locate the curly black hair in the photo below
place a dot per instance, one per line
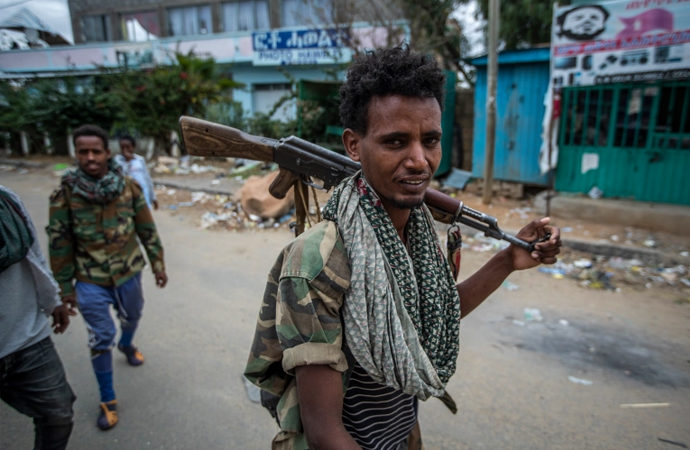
(383, 72)
(91, 130)
(128, 137)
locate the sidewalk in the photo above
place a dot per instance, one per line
(655, 217)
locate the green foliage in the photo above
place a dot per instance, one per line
(262, 125)
(434, 30)
(53, 106)
(523, 23)
(153, 100)
(142, 102)
(147, 102)
(230, 114)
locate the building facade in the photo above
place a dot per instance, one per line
(264, 44)
(130, 20)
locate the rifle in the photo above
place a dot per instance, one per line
(300, 160)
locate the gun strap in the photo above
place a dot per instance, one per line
(316, 205)
(301, 206)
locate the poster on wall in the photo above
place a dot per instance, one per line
(616, 41)
(620, 41)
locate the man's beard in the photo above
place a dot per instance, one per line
(409, 204)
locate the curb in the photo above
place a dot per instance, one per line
(21, 163)
(646, 255)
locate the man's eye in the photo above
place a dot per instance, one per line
(432, 142)
(394, 143)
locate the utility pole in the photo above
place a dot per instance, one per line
(492, 74)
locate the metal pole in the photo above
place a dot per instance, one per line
(492, 73)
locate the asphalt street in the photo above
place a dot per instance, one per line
(544, 362)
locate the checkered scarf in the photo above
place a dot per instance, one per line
(96, 190)
(402, 312)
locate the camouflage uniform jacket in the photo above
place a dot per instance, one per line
(98, 243)
(299, 323)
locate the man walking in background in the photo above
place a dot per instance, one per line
(96, 216)
(134, 166)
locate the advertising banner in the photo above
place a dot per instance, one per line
(620, 41)
(616, 41)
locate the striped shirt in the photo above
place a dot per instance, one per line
(377, 416)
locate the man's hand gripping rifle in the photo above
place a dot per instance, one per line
(302, 160)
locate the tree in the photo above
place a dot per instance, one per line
(64, 104)
(524, 23)
(14, 109)
(434, 30)
(40, 107)
(153, 100)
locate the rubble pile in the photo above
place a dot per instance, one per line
(214, 211)
(602, 272)
(597, 271)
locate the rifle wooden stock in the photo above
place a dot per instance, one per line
(204, 138)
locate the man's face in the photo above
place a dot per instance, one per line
(584, 21)
(127, 149)
(401, 149)
(92, 156)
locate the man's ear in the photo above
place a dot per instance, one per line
(351, 142)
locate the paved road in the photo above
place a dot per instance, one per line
(600, 370)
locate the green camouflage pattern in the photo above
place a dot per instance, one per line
(299, 322)
(97, 243)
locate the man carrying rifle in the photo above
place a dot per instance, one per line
(361, 313)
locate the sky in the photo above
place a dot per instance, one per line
(472, 27)
(54, 13)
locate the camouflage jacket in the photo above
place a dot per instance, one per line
(98, 243)
(299, 322)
